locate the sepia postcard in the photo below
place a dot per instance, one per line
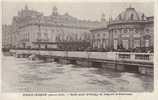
(79, 48)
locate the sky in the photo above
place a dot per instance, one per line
(82, 10)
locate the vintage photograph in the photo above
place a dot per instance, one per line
(77, 47)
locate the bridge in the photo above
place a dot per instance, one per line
(121, 61)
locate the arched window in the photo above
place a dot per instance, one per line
(132, 16)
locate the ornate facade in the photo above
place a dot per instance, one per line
(128, 31)
(100, 38)
(34, 30)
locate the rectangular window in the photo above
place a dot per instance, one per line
(147, 43)
(125, 44)
(115, 44)
(136, 43)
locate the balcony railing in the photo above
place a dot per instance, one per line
(142, 57)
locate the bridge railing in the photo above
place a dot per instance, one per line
(126, 56)
(135, 56)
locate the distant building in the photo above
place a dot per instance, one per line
(6, 37)
(34, 30)
(128, 31)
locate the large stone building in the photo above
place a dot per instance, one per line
(128, 31)
(32, 29)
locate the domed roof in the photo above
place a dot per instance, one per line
(131, 14)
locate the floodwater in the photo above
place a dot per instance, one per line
(23, 75)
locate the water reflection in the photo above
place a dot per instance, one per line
(23, 75)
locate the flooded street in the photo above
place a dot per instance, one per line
(23, 75)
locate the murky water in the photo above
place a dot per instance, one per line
(23, 75)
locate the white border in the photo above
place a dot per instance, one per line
(135, 96)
